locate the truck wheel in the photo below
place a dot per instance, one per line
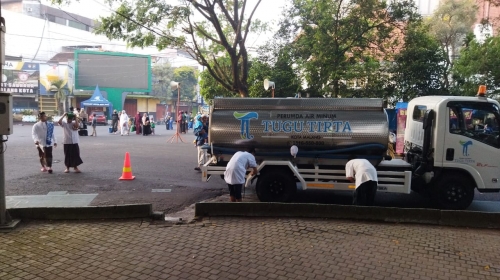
(276, 187)
(454, 191)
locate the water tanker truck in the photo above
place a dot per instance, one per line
(451, 145)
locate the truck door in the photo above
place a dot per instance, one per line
(472, 141)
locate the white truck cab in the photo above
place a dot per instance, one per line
(459, 150)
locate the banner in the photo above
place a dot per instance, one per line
(400, 134)
(50, 73)
(20, 78)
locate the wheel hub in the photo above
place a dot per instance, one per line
(275, 187)
(455, 194)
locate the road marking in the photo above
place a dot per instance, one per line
(161, 190)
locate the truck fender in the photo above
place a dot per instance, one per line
(466, 170)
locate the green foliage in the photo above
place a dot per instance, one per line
(418, 68)
(57, 88)
(274, 64)
(478, 65)
(162, 76)
(27, 112)
(188, 78)
(449, 24)
(210, 88)
(333, 39)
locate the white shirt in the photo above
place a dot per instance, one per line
(236, 167)
(39, 133)
(70, 136)
(362, 170)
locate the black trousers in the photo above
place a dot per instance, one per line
(114, 124)
(235, 190)
(45, 156)
(365, 194)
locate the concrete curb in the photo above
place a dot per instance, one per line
(381, 214)
(83, 213)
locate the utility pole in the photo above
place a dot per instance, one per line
(6, 222)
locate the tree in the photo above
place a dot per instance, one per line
(274, 64)
(163, 74)
(205, 29)
(449, 24)
(417, 70)
(332, 38)
(188, 77)
(57, 88)
(210, 88)
(478, 65)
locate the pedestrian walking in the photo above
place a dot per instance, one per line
(185, 118)
(362, 172)
(171, 122)
(138, 128)
(45, 138)
(94, 125)
(190, 121)
(130, 123)
(180, 122)
(83, 116)
(124, 123)
(70, 140)
(146, 125)
(114, 121)
(201, 133)
(236, 170)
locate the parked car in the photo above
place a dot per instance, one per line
(101, 118)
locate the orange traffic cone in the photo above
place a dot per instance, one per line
(127, 169)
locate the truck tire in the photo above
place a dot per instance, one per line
(276, 186)
(454, 191)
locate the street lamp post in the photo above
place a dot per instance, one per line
(177, 135)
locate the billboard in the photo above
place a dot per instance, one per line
(128, 72)
(20, 78)
(50, 73)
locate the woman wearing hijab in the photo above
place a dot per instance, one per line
(181, 122)
(124, 123)
(138, 123)
(146, 125)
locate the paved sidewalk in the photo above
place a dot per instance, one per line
(251, 248)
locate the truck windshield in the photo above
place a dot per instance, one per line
(478, 121)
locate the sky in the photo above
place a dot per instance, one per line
(268, 11)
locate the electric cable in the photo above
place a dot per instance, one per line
(3, 144)
(74, 18)
(41, 40)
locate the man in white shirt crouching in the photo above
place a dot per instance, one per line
(364, 174)
(236, 170)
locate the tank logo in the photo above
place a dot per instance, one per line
(465, 147)
(245, 123)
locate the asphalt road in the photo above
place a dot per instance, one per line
(157, 165)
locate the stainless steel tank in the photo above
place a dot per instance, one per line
(311, 124)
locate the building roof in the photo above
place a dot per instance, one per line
(62, 57)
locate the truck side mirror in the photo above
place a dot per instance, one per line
(428, 118)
